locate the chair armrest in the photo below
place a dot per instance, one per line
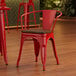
(25, 14)
(59, 14)
(56, 19)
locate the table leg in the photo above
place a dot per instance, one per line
(0, 45)
(3, 35)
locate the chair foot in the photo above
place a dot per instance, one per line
(57, 63)
(17, 66)
(6, 64)
(36, 60)
(1, 52)
(43, 68)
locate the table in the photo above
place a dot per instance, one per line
(3, 48)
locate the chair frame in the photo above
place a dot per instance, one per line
(3, 48)
(26, 6)
(40, 41)
(2, 4)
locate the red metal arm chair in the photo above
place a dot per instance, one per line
(41, 36)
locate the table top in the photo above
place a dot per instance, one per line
(4, 8)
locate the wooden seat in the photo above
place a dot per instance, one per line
(36, 31)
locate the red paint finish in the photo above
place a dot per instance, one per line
(2, 1)
(3, 49)
(40, 39)
(26, 9)
(3, 4)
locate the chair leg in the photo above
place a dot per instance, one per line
(4, 48)
(18, 16)
(7, 20)
(55, 53)
(21, 45)
(43, 52)
(36, 49)
(43, 56)
(4, 53)
(3, 38)
(0, 47)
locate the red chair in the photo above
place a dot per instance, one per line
(26, 9)
(3, 48)
(41, 35)
(2, 4)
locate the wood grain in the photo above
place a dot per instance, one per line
(65, 39)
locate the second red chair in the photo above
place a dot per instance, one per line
(26, 6)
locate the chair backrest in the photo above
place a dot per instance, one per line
(48, 18)
(2, 3)
(30, 1)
